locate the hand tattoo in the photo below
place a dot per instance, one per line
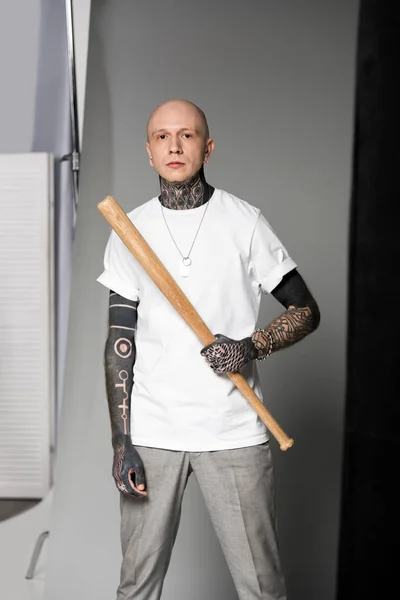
(128, 469)
(226, 355)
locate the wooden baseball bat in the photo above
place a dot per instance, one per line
(141, 250)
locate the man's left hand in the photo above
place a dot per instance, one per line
(226, 355)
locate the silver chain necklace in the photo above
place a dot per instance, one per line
(186, 260)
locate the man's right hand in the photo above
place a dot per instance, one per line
(128, 470)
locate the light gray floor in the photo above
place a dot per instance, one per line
(18, 537)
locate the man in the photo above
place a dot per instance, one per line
(171, 414)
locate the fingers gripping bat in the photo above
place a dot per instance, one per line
(143, 253)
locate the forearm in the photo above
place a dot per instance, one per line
(287, 329)
(119, 383)
(119, 359)
(301, 317)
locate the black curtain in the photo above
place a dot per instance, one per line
(369, 546)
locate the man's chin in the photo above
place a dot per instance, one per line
(176, 177)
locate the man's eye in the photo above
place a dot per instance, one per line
(162, 136)
(187, 135)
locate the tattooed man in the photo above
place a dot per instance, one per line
(173, 410)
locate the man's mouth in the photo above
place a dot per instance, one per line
(175, 164)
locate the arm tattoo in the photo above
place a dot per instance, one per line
(119, 359)
(287, 329)
(300, 319)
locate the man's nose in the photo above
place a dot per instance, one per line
(175, 145)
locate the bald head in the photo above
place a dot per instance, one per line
(178, 141)
(179, 111)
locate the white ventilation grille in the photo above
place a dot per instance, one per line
(26, 324)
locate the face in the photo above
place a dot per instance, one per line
(177, 145)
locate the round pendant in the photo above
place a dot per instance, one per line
(187, 261)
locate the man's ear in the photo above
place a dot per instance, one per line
(149, 153)
(208, 149)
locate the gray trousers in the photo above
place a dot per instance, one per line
(238, 489)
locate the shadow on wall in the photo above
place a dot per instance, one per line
(15, 506)
(85, 507)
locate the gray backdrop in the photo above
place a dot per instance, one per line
(19, 58)
(276, 82)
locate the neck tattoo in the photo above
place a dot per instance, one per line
(181, 195)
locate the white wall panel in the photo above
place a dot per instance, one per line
(26, 324)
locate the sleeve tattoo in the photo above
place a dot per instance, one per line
(119, 359)
(301, 317)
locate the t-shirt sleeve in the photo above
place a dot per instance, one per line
(119, 272)
(269, 259)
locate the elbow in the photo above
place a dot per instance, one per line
(109, 353)
(316, 316)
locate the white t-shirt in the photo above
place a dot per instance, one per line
(177, 401)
